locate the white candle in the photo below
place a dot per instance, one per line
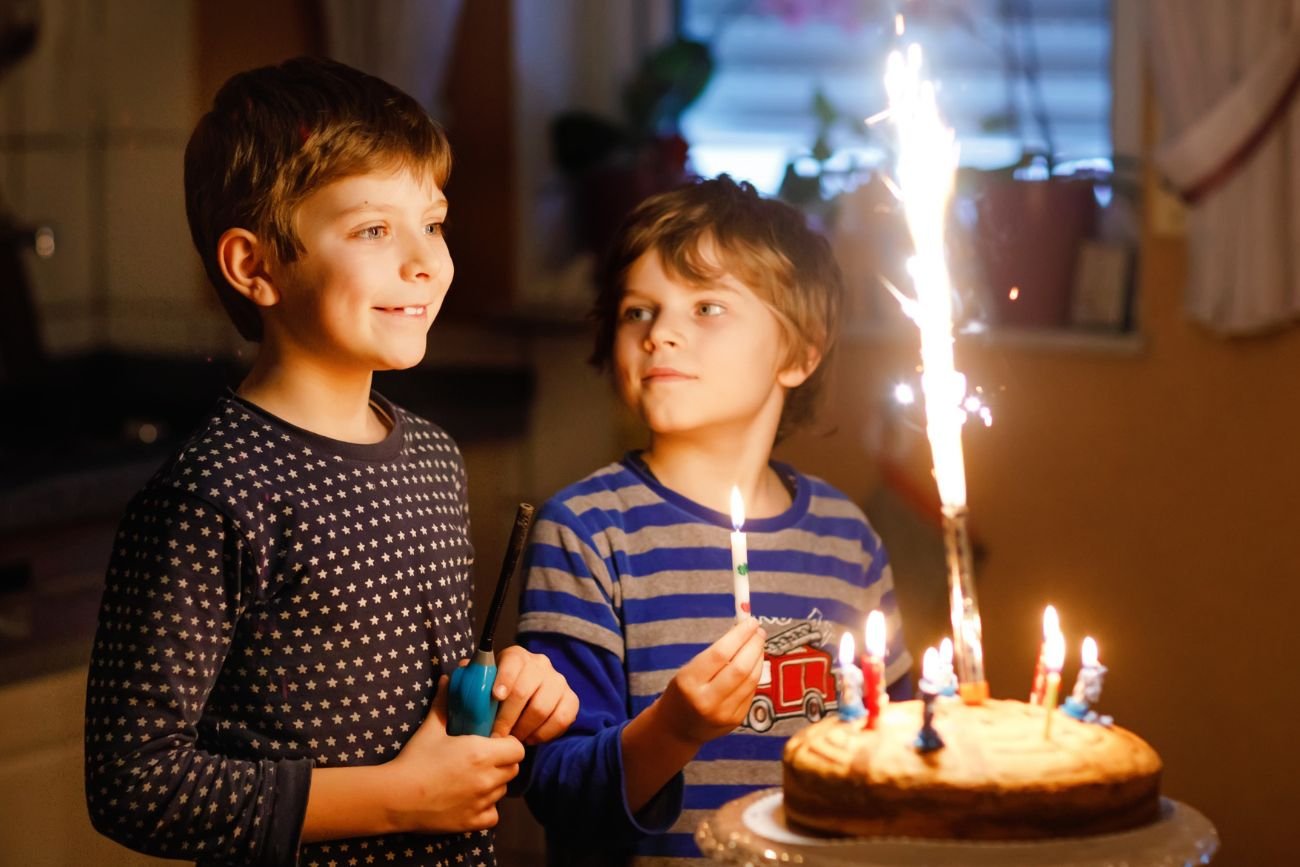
(850, 698)
(928, 740)
(947, 677)
(931, 672)
(931, 680)
(739, 556)
(1087, 688)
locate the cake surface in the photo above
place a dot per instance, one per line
(997, 777)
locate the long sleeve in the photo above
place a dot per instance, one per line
(576, 790)
(569, 613)
(180, 575)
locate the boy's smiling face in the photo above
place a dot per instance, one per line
(373, 275)
(693, 359)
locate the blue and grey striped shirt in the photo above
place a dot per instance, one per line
(627, 581)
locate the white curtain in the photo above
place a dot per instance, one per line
(1227, 76)
(405, 42)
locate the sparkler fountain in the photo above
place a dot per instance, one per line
(927, 162)
(845, 778)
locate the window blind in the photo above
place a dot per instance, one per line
(757, 112)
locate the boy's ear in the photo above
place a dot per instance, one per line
(245, 264)
(798, 371)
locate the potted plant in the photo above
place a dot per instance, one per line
(1033, 220)
(613, 165)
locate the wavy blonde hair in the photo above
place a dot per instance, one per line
(715, 227)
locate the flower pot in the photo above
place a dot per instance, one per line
(1028, 235)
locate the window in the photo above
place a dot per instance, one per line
(1014, 76)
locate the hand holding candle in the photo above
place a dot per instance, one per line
(850, 697)
(1051, 625)
(739, 556)
(1054, 660)
(874, 670)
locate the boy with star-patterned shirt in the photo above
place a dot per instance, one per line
(286, 596)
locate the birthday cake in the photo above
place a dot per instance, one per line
(1001, 775)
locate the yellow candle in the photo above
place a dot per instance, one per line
(739, 556)
(1054, 659)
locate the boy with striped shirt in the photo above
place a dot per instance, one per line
(716, 312)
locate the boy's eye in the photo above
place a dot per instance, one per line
(372, 233)
(708, 308)
(433, 229)
(636, 314)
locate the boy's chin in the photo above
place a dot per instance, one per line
(404, 359)
(400, 363)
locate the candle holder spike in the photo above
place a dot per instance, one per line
(967, 631)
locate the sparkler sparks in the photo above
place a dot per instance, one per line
(926, 166)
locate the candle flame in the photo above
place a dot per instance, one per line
(1014, 294)
(945, 652)
(876, 634)
(1054, 653)
(847, 649)
(737, 508)
(1051, 622)
(1089, 655)
(931, 668)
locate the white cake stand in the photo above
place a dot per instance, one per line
(752, 830)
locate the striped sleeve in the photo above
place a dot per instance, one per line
(570, 589)
(570, 613)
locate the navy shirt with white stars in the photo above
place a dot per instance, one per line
(276, 601)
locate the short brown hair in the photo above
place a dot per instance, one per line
(764, 243)
(276, 134)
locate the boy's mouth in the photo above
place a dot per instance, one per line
(664, 374)
(418, 310)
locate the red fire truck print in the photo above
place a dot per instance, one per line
(798, 678)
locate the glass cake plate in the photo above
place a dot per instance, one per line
(752, 830)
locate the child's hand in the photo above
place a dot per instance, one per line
(710, 695)
(536, 702)
(446, 784)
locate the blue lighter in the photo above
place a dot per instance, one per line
(471, 709)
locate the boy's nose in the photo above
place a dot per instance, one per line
(421, 262)
(662, 332)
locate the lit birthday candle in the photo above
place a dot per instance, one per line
(874, 668)
(928, 740)
(1087, 688)
(850, 697)
(947, 677)
(1051, 625)
(739, 556)
(1055, 660)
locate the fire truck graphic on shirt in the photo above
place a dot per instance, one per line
(798, 678)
